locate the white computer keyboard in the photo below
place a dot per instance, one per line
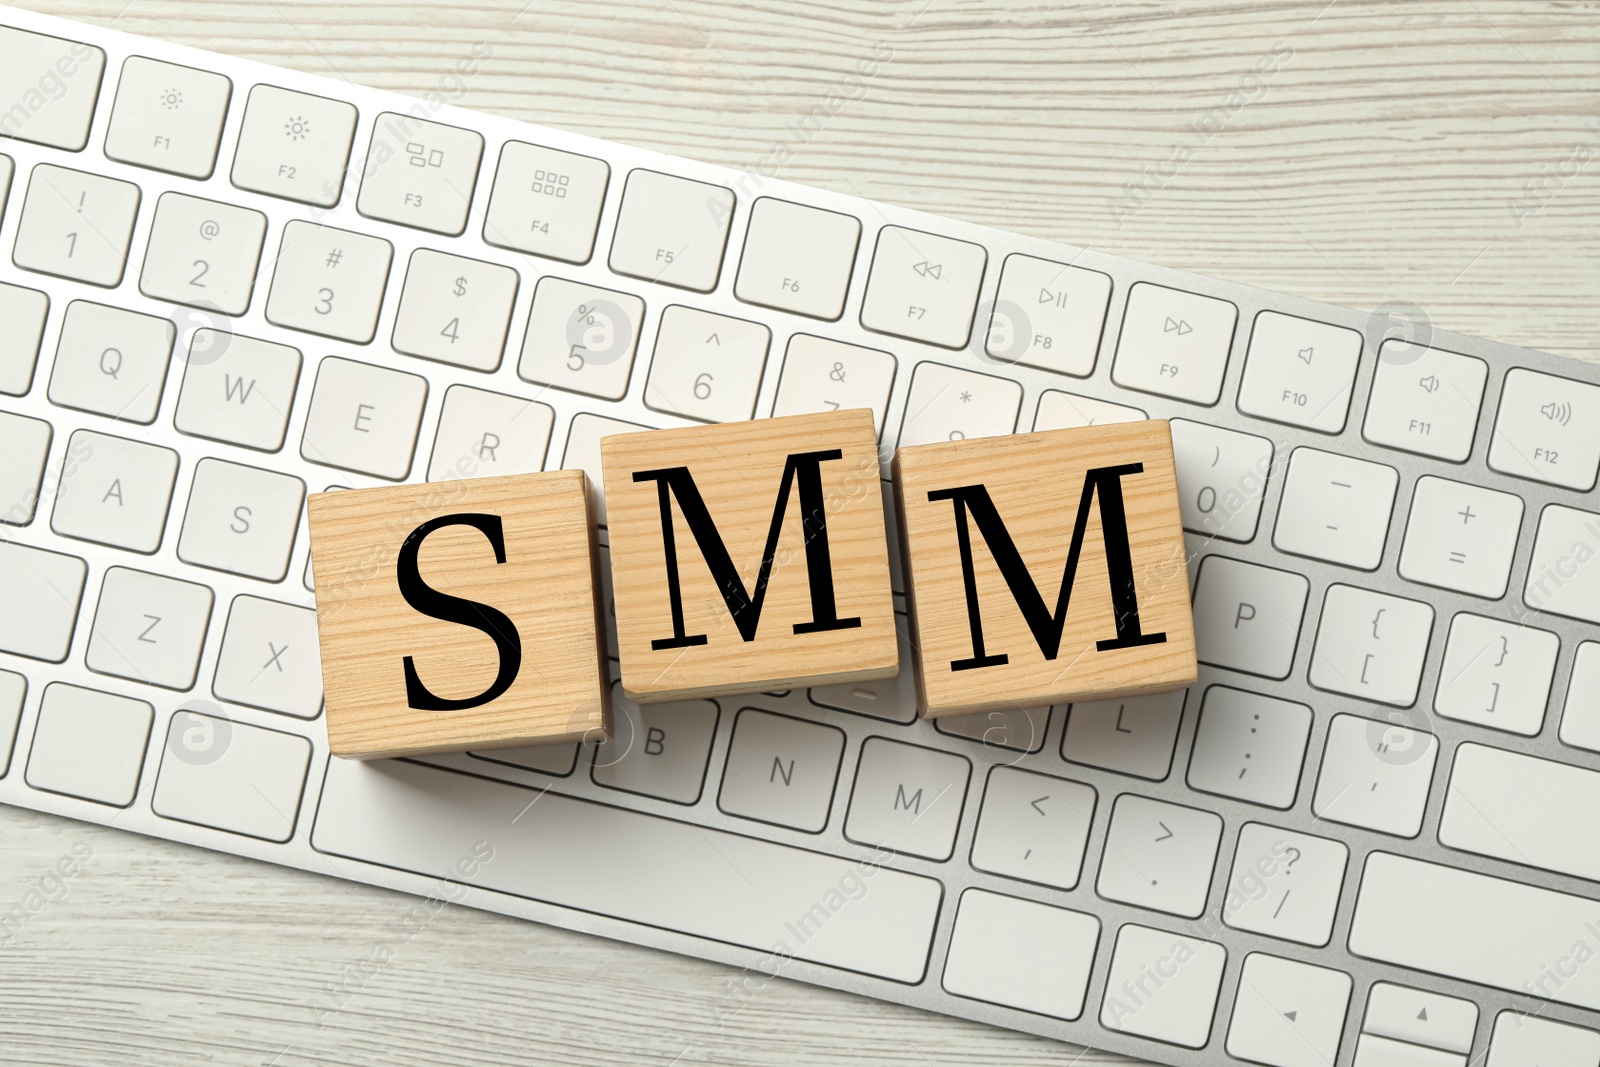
(1364, 836)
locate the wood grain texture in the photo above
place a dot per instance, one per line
(1376, 168)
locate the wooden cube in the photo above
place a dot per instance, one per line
(1045, 567)
(459, 614)
(749, 556)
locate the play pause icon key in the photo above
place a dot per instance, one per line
(1048, 315)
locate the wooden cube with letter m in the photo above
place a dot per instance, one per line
(749, 556)
(459, 615)
(1045, 568)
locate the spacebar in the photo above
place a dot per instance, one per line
(1481, 929)
(627, 865)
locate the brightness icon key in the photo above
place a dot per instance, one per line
(1547, 429)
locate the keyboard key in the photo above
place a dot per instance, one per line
(420, 173)
(1129, 735)
(1526, 1040)
(111, 362)
(706, 366)
(168, 117)
(1425, 400)
(557, 760)
(364, 418)
(1249, 746)
(25, 444)
(1287, 1013)
(241, 519)
(294, 145)
(781, 770)
(1021, 954)
(1496, 674)
(114, 491)
(581, 338)
(89, 744)
(1300, 372)
(886, 699)
(1033, 827)
(1375, 774)
(482, 434)
(1580, 714)
(797, 258)
(1510, 806)
(1222, 477)
(1371, 645)
(203, 253)
(13, 688)
(1336, 508)
(41, 591)
(149, 628)
(1021, 729)
(583, 453)
(659, 750)
(823, 375)
(238, 777)
(241, 390)
(1177, 1011)
(329, 281)
(1546, 430)
(1460, 537)
(546, 202)
(1421, 1017)
(1559, 579)
(76, 225)
(923, 287)
(907, 798)
(704, 882)
(23, 311)
(455, 310)
(270, 659)
(947, 404)
(1174, 343)
(1055, 317)
(58, 79)
(1247, 617)
(1374, 1051)
(1159, 855)
(1285, 884)
(672, 230)
(1063, 411)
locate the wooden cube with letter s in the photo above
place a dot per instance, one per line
(459, 615)
(1045, 567)
(749, 556)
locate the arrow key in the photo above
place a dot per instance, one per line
(1033, 827)
(1288, 1014)
(1420, 1017)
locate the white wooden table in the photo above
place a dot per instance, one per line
(1438, 159)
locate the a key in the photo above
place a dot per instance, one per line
(364, 418)
(886, 699)
(111, 362)
(482, 434)
(1547, 429)
(1559, 581)
(557, 760)
(1177, 1011)
(781, 770)
(947, 404)
(1496, 674)
(1460, 537)
(1033, 827)
(420, 173)
(706, 366)
(672, 230)
(203, 253)
(329, 281)
(1580, 712)
(1021, 729)
(1222, 478)
(1063, 411)
(149, 628)
(1174, 343)
(13, 688)
(1129, 735)
(25, 444)
(1247, 617)
(583, 452)
(823, 375)
(1300, 372)
(241, 519)
(114, 491)
(907, 798)
(1249, 746)
(269, 658)
(1048, 315)
(89, 744)
(23, 311)
(41, 591)
(1508, 805)
(1375, 774)
(294, 145)
(231, 776)
(237, 389)
(658, 750)
(581, 338)
(1285, 884)
(1375, 1051)
(455, 310)
(797, 258)
(1159, 855)
(1020, 953)
(1425, 400)
(1288, 1013)
(30, 64)
(1335, 508)
(546, 202)
(1526, 1040)
(1421, 1017)
(168, 117)
(76, 225)
(923, 287)
(1371, 645)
